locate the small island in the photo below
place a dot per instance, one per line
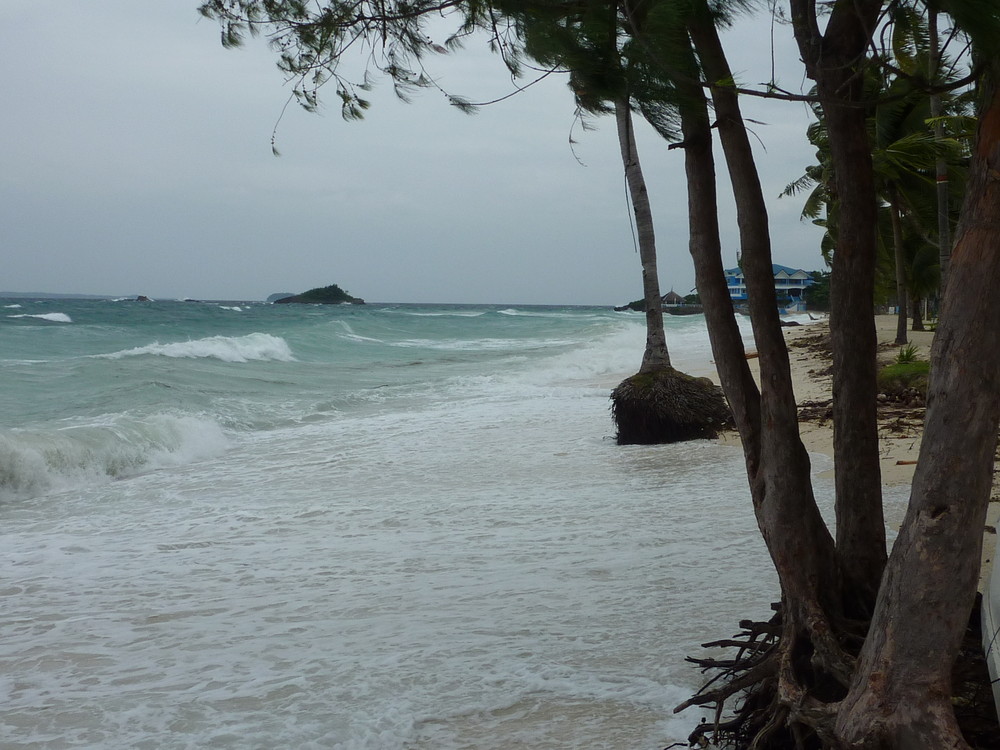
(327, 295)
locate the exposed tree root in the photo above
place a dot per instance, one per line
(773, 695)
(667, 406)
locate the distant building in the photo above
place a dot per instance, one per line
(672, 298)
(789, 283)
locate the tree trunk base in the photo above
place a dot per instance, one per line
(763, 718)
(667, 406)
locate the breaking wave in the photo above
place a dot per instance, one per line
(52, 317)
(252, 347)
(33, 462)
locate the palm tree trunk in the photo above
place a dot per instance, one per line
(918, 320)
(656, 356)
(831, 58)
(897, 247)
(940, 165)
(901, 694)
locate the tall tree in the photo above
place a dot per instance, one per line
(584, 40)
(607, 73)
(900, 696)
(834, 58)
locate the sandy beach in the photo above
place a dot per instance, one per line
(900, 426)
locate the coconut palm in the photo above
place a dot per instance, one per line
(905, 154)
(610, 73)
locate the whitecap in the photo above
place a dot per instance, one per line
(450, 314)
(53, 317)
(11, 307)
(252, 347)
(234, 308)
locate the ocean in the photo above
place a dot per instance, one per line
(379, 527)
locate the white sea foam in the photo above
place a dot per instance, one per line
(349, 334)
(37, 461)
(442, 314)
(461, 558)
(11, 307)
(483, 344)
(234, 308)
(252, 347)
(53, 317)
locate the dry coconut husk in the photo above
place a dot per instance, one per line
(667, 406)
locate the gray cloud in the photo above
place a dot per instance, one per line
(136, 159)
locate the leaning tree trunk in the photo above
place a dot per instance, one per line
(799, 542)
(705, 246)
(897, 251)
(656, 356)
(900, 697)
(833, 60)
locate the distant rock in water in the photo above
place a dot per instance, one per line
(638, 305)
(143, 298)
(327, 295)
(279, 295)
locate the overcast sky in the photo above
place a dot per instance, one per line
(135, 158)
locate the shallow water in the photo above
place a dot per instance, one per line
(232, 525)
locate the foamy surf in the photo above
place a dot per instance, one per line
(420, 535)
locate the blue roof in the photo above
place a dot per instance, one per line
(776, 268)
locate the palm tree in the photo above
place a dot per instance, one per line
(608, 73)
(905, 154)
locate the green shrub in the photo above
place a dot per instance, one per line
(897, 378)
(907, 354)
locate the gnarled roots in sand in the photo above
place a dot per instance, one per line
(774, 694)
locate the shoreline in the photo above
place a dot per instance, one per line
(900, 426)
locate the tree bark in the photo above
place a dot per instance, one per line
(705, 246)
(917, 317)
(797, 537)
(656, 355)
(900, 696)
(834, 61)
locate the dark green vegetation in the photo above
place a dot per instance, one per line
(327, 295)
(899, 378)
(865, 644)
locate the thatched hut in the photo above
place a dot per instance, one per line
(667, 406)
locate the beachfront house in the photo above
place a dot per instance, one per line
(672, 298)
(789, 283)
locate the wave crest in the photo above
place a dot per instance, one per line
(51, 317)
(252, 347)
(33, 462)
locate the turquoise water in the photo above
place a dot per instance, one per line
(391, 526)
